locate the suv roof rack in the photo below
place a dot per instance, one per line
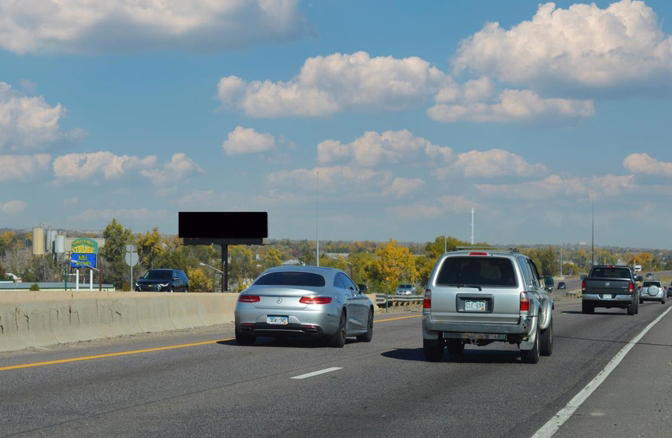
(490, 248)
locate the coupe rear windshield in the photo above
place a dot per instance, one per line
(610, 272)
(158, 275)
(473, 270)
(290, 278)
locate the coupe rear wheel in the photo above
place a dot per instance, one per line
(546, 340)
(245, 338)
(369, 329)
(433, 349)
(532, 356)
(455, 346)
(338, 340)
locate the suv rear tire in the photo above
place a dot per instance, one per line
(546, 340)
(433, 349)
(532, 356)
(245, 339)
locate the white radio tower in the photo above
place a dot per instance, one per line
(472, 226)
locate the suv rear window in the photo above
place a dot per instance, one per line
(610, 272)
(291, 278)
(651, 283)
(483, 271)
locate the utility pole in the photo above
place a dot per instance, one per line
(592, 245)
(472, 226)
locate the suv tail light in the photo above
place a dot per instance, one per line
(631, 287)
(524, 302)
(315, 300)
(478, 253)
(427, 301)
(583, 285)
(249, 299)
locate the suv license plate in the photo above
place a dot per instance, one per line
(474, 305)
(277, 320)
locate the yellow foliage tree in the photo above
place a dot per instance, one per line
(199, 280)
(394, 264)
(150, 247)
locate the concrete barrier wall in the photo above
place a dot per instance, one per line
(37, 319)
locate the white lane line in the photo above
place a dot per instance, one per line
(317, 373)
(552, 426)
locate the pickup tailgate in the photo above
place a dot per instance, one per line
(614, 286)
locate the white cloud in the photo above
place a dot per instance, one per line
(490, 164)
(402, 187)
(23, 167)
(443, 205)
(139, 215)
(583, 45)
(647, 165)
(79, 167)
(85, 26)
(512, 106)
(13, 207)
(331, 179)
(29, 123)
(70, 201)
(178, 168)
(329, 84)
(247, 141)
(391, 147)
(555, 187)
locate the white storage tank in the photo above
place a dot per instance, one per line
(60, 243)
(50, 240)
(38, 241)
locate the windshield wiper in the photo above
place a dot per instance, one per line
(475, 286)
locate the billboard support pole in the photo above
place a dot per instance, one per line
(225, 268)
(90, 279)
(77, 279)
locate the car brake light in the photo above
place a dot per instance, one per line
(249, 299)
(524, 302)
(315, 300)
(583, 285)
(631, 287)
(427, 301)
(478, 253)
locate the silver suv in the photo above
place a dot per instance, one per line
(479, 296)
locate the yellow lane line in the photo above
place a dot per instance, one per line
(146, 350)
(398, 318)
(106, 355)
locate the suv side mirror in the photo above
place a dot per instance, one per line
(362, 288)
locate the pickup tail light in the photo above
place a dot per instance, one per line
(315, 300)
(583, 285)
(249, 299)
(524, 302)
(427, 301)
(631, 287)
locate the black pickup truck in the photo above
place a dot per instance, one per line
(609, 286)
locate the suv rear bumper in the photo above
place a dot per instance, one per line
(432, 329)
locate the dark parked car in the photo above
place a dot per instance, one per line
(163, 280)
(562, 285)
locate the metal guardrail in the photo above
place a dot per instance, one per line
(398, 300)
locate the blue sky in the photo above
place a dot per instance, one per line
(382, 119)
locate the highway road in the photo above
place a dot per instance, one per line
(204, 385)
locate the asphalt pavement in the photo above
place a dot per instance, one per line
(202, 384)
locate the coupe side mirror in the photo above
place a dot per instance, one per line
(362, 288)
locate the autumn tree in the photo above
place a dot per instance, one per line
(394, 264)
(150, 247)
(273, 257)
(199, 281)
(114, 251)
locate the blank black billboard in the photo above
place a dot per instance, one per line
(222, 225)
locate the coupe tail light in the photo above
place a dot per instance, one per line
(583, 285)
(631, 287)
(524, 302)
(315, 300)
(249, 299)
(427, 301)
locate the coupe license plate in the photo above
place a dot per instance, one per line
(277, 320)
(474, 305)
